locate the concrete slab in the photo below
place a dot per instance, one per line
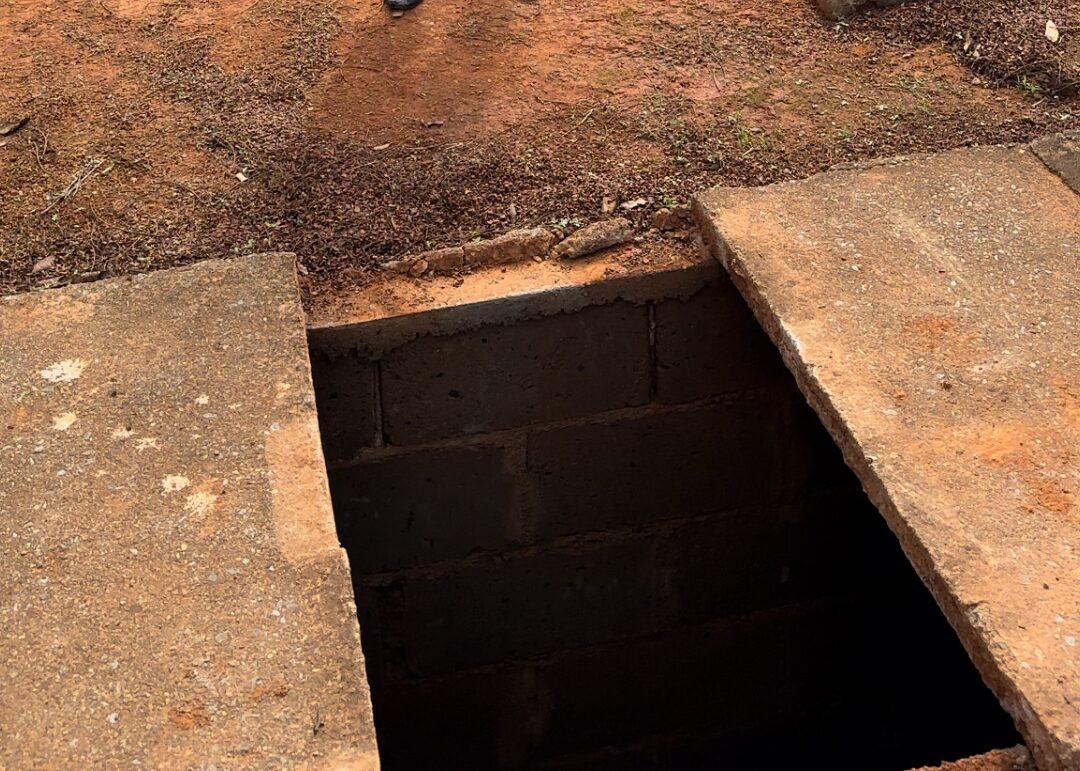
(930, 311)
(172, 592)
(1061, 153)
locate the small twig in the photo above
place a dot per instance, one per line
(39, 153)
(84, 174)
(715, 83)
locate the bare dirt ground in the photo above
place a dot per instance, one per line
(162, 132)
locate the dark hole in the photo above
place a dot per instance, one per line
(604, 608)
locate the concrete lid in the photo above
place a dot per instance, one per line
(930, 311)
(173, 592)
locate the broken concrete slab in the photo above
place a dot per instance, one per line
(929, 310)
(1061, 153)
(595, 238)
(515, 246)
(173, 589)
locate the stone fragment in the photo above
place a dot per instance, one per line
(444, 260)
(399, 266)
(1052, 33)
(592, 238)
(515, 246)
(675, 218)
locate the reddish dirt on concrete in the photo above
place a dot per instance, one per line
(928, 311)
(359, 138)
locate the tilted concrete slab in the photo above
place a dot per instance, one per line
(930, 311)
(172, 592)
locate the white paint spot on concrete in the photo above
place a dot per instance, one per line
(173, 483)
(64, 371)
(64, 421)
(200, 504)
(146, 443)
(203, 400)
(122, 433)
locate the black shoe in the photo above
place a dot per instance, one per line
(402, 5)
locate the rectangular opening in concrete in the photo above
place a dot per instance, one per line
(601, 529)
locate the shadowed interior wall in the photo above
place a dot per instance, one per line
(617, 538)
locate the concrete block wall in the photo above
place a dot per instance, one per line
(610, 536)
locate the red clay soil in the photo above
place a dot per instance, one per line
(162, 132)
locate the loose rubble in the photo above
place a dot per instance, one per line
(592, 238)
(515, 246)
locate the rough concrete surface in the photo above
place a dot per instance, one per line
(515, 246)
(594, 238)
(172, 592)
(1012, 759)
(1061, 153)
(930, 311)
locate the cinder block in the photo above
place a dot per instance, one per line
(764, 558)
(712, 344)
(715, 677)
(345, 397)
(425, 506)
(665, 465)
(480, 721)
(725, 566)
(527, 607)
(500, 377)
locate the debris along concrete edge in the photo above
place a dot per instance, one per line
(1046, 729)
(537, 244)
(388, 314)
